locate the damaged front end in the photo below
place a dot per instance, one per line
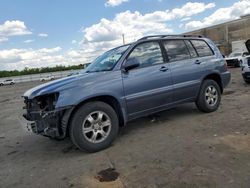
(43, 118)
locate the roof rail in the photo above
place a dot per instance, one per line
(164, 36)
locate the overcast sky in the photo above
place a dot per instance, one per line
(61, 32)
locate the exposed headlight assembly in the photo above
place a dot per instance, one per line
(47, 102)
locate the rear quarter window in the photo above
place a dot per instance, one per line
(202, 48)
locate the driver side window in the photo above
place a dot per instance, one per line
(147, 54)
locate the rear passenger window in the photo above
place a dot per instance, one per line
(176, 50)
(202, 48)
(191, 49)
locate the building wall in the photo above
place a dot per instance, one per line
(224, 34)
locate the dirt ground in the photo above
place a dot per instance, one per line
(179, 148)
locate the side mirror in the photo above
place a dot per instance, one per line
(131, 63)
(223, 56)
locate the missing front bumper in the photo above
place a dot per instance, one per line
(51, 124)
(29, 126)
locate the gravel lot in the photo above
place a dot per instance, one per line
(178, 148)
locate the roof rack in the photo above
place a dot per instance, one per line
(164, 36)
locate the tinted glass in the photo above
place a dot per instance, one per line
(202, 48)
(147, 54)
(176, 50)
(191, 49)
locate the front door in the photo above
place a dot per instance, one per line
(149, 86)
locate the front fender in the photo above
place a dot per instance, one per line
(75, 100)
(109, 84)
(76, 96)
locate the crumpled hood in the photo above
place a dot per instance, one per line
(56, 85)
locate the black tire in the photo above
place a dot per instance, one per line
(201, 101)
(1, 84)
(76, 127)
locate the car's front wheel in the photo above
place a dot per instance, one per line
(94, 126)
(209, 96)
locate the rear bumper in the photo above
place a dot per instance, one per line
(225, 78)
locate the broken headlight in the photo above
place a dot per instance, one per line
(47, 102)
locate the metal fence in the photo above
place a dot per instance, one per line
(37, 77)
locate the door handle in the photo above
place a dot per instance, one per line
(198, 62)
(163, 69)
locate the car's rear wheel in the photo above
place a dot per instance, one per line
(94, 126)
(209, 96)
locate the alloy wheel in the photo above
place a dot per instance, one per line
(96, 127)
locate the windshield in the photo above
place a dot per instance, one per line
(107, 61)
(235, 54)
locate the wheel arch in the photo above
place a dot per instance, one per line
(110, 100)
(217, 78)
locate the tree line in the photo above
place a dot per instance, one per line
(28, 71)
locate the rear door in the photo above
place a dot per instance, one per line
(186, 68)
(207, 59)
(148, 87)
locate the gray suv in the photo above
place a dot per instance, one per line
(152, 74)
